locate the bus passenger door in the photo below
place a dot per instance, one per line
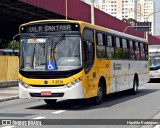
(88, 67)
(88, 59)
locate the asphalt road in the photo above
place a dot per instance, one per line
(118, 107)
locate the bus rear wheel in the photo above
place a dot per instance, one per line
(50, 101)
(134, 90)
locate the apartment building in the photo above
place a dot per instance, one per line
(140, 10)
(118, 8)
(146, 12)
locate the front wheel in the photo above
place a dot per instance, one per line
(100, 95)
(50, 101)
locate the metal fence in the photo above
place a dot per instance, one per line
(9, 66)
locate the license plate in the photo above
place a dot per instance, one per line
(46, 93)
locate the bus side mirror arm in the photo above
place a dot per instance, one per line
(14, 42)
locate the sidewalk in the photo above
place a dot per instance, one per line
(8, 93)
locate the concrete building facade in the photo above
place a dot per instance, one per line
(146, 12)
(140, 10)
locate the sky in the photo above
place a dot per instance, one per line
(157, 15)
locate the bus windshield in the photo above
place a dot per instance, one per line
(58, 52)
(154, 59)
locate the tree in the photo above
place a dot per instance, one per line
(130, 21)
(7, 44)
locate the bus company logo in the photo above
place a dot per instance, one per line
(117, 66)
(45, 82)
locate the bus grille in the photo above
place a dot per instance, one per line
(52, 95)
(47, 86)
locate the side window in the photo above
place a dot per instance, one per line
(118, 42)
(118, 48)
(88, 48)
(125, 49)
(137, 51)
(146, 51)
(142, 51)
(88, 35)
(101, 53)
(110, 47)
(131, 50)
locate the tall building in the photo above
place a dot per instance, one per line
(140, 10)
(119, 8)
(146, 12)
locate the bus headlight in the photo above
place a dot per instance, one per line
(71, 84)
(23, 84)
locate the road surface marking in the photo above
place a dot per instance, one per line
(57, 112)
(141, 87)
(8, 127)
(40, 117)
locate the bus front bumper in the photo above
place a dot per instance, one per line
(63, 92)
(154, 74)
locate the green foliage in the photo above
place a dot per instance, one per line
(118, 53)
(129, 21)
(101, 54)
(8, 44)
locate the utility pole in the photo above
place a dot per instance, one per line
(92, 12)
(66, 9)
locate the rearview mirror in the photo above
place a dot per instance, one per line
(15, 39)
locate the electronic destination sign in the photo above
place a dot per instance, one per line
(49, 27)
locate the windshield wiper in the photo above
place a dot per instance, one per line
(34, 51)
(58, 41)
(32, 65)
(55, 44)
(53, 47)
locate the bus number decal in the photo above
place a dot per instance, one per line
(57, 81)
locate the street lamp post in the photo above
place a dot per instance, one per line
(151, 14)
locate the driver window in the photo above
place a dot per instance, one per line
(88, 46)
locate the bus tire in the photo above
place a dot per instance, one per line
(100, 94)
(50, 101)
(134, 90)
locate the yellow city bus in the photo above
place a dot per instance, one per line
(69, 59)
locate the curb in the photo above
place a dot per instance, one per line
(4, 84)
(9, 98)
